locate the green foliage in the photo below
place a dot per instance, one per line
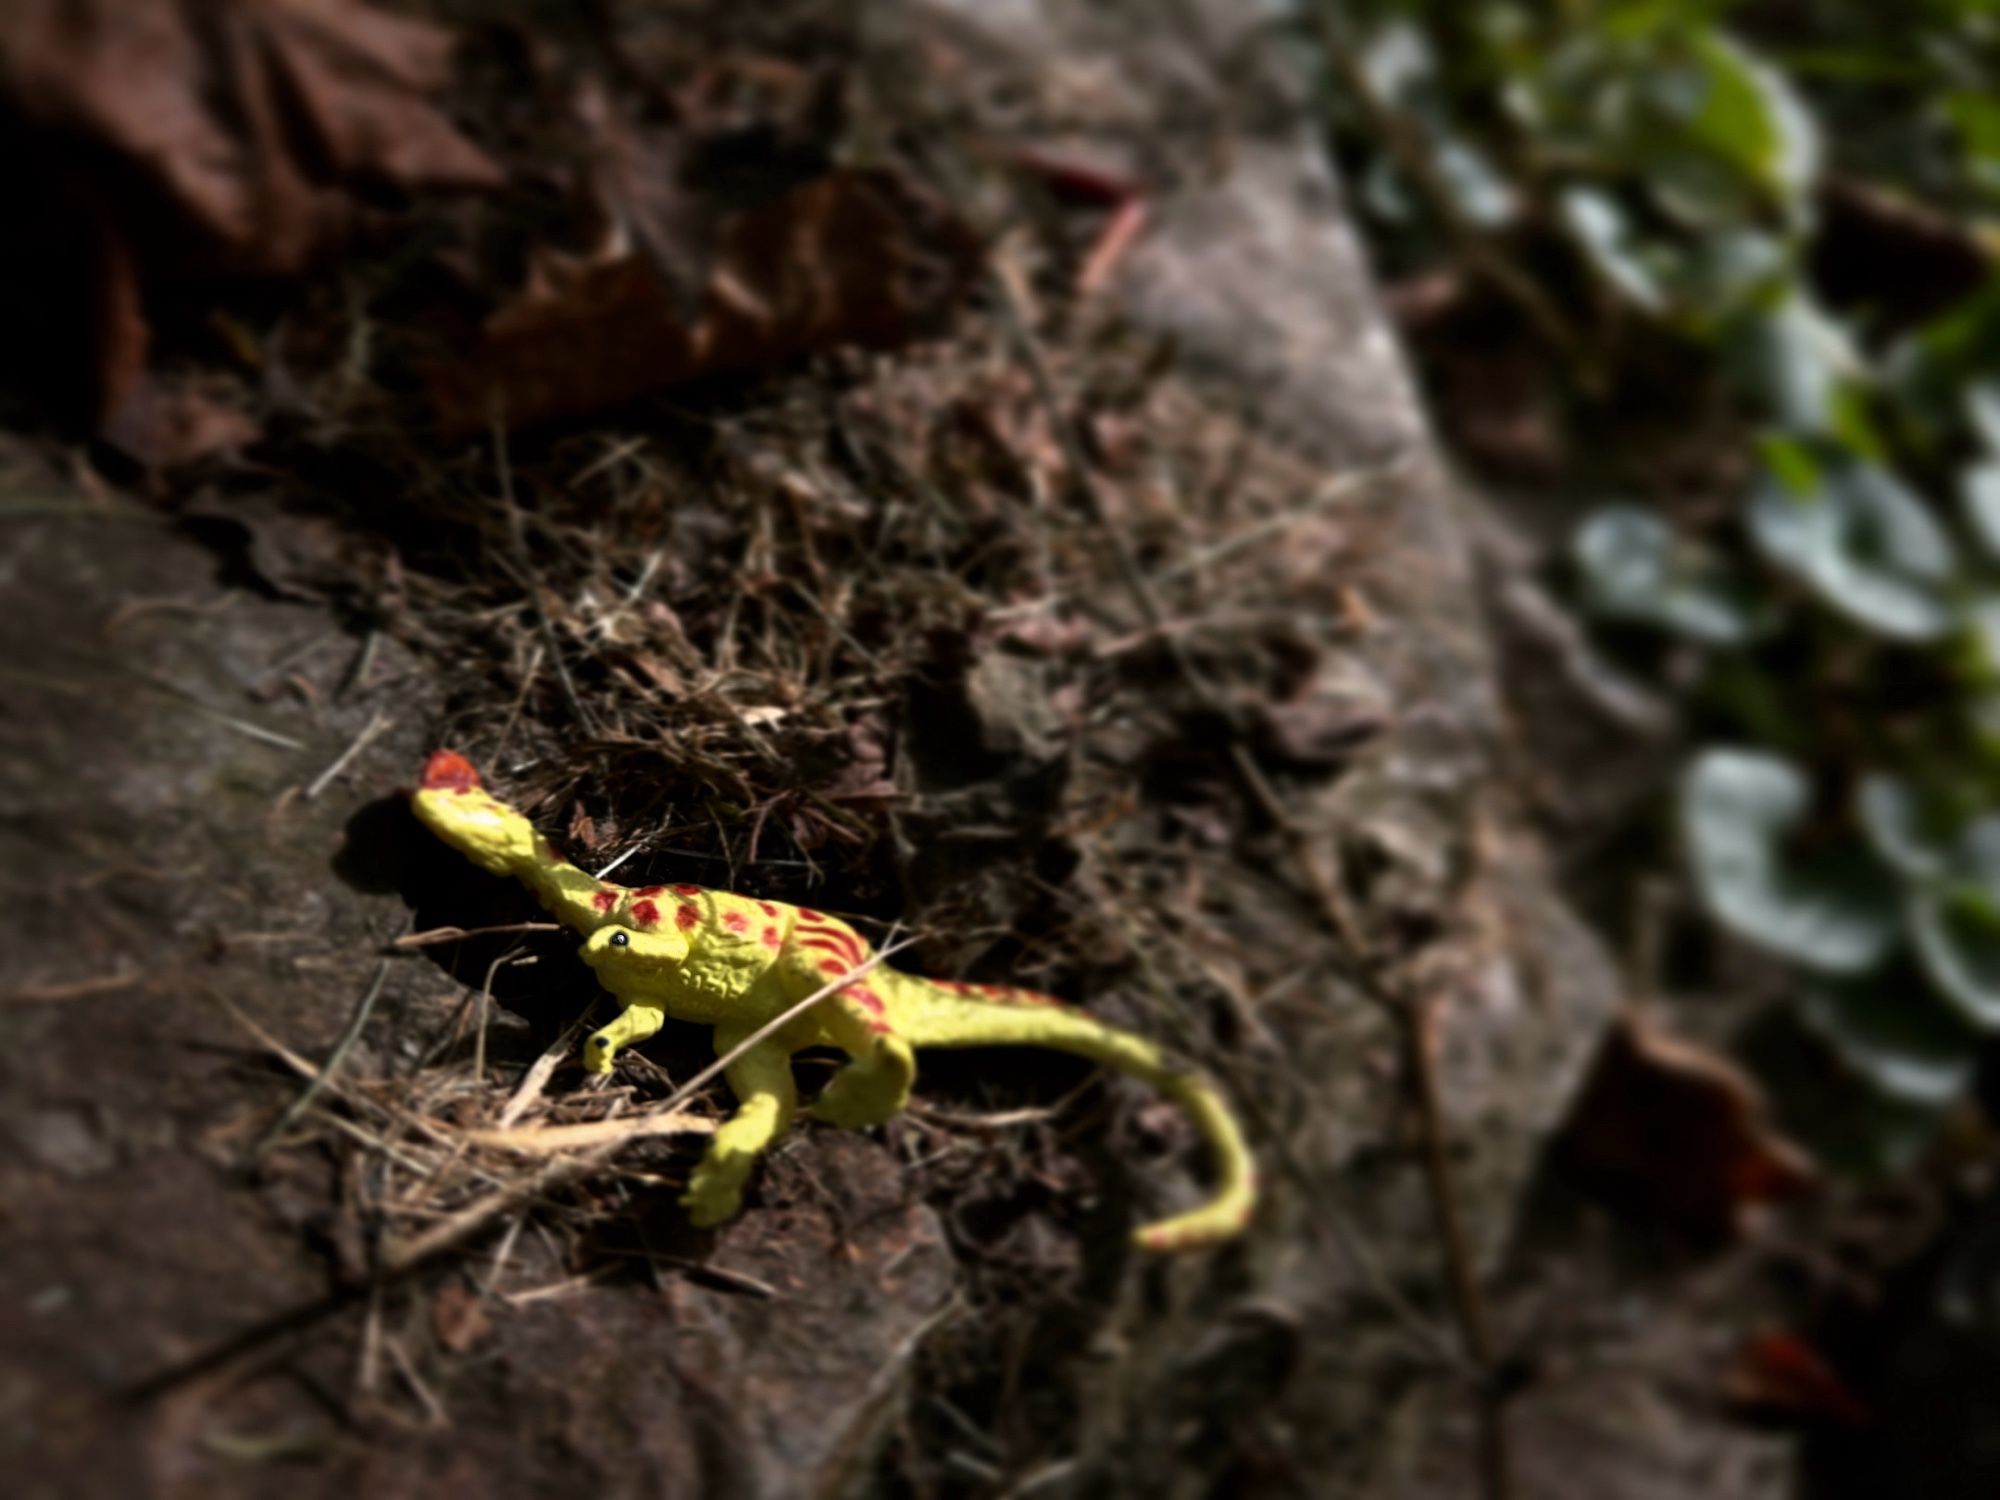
(1861, 541)
(1635, 568)
(1835, 912)
(1657, 165)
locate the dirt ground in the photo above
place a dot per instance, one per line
(967, 717)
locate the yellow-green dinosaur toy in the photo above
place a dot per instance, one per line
(736, 964)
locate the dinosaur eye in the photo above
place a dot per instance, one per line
(620, 940)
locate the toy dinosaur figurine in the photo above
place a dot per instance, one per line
(735, 963)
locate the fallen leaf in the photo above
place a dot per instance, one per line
(856, 257)
(458, 1320)
(288, 554)
(866, 776)
(1047, 634)
(164, 139)
(160, 426)
(1673, 1133)
(1317, 732)
(1778, 1378)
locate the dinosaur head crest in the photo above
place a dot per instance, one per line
(448, 771)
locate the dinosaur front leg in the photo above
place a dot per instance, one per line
(633, 1024)
(765, 1101)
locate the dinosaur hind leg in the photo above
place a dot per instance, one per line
(873, 1088)
(875, 1084)
(765, 1101)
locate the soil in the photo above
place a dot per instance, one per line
(207, 857)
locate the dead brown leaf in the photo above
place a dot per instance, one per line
(856, 257)
(1779, 1379)
(1317, 731)
(203, 138)
(1673, 1133)
(458, 1319)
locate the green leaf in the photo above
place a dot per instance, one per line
(1982, 714)
(1958, 943)
(1734, 266)
(1835, 915)
(1911, 830)
(1893, 1031)
(1982, 409)
(1865, 545)
(1800, 363)
(1977, 117)
(1750, 115)
(1399, 64)
(1979, 651)
(1478, 191)
(1635, 568)
(1955, 925)
(1932, 370)
(1601, 228)
(1979, 498)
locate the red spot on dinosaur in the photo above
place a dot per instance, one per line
(645, 914)
(448, 771)
(649, 890)
(770, 939)
(687, 917)
(767, 908)
(735, 921)
(604, 901)
(687, 890)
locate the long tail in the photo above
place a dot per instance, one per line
(934, 1014)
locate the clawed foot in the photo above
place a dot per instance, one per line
(715, 1192)
(599, 1054)
(853, 1108)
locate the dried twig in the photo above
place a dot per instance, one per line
(71, 989)
(432, 935)
(319, 1080)
(374, 728)
(548, 1140)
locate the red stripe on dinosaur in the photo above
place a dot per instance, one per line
(848, 949)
